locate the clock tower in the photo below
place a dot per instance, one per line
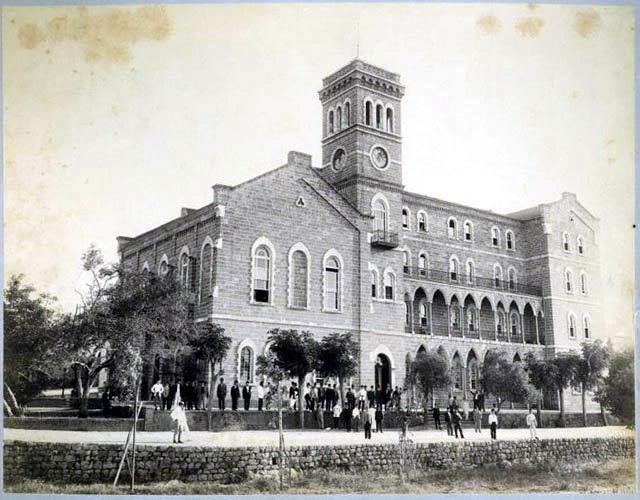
(361, 131)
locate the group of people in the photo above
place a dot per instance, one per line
(263, 393)
(193, 395)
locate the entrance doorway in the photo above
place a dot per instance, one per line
(382, 372)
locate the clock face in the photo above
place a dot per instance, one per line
(339, 159)
(379, 157)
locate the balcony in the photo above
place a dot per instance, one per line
(384, 239)
(438, 276)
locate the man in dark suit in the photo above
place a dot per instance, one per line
(436, 417)
(222, 394)
(457, 418)
(371, 397)
(235, 395)
(322, 394)
(336, 395)
(328, 394)
(246, 395)
(351, 399)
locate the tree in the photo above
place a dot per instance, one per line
(125, 320)
(28, 332)
(506, 379)
(428, 372)
(589, 370)
(294, 354)
(211, 345)
(616, 391)
(554, 374)
(337, 357)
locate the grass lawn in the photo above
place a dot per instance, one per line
(610, 477)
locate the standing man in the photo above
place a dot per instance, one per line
(166, 402)
(481, 401)
(307, 396)
(477, 419)
(457, 418)
(379, 416)
(532, 423)
(260, 393)
(447, 422)
(362, 397)
(235, 395)
(337, 410)
(493, 423)
(372, 419)
(203, 396)
(246, 395)
(371, 397)
(436, 418)
(355, 417)
(346, 415)
(351, 399)
(366, 420)
(221, 393)
(322, 393)
(450, 402)
(336, 394)
(320, 416)
(156, 392)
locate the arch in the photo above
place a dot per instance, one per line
(380, 212)
(368, 112)
(473, 372)
(571, 325)
(529, 324)
(457, 372)
(347, 112)
(584, 284)
(501, 321)
(338, 118)
(487, 319)
(586, 326)
(441, 351)
(471, 318)
(383, 349)
(452, 228)
(379, 115)
(263, 256)
(406, 218)
(512, 278)
(423, 263)
(332, 272)
(568, 280)
(566, 242)
(455, 316)
(163, 265)
(495, 236)
(185, 265)
(439, 314)
(470, 271)
(497, 276)
(245, 347)
(510, 240)
(389, 118)
(299, 260)
(206, 275)
(422, 349)
(145, 267)
(422, 220)
(468, 230)
(517, 358)
(330, 122)
(375, 280)
(580, 244)
(454, 268)
(421, 310)
(390, 282)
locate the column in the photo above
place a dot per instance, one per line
(478, 319)
(537, 331)
(522, 327)
(449, 321)
(463, 320)
(430, 318)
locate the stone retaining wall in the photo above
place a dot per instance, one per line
(71, 423)
(84, 463)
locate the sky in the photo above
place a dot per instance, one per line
(116, 117)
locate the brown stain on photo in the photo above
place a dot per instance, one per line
(530, 26)
(105, 36)
(587, 23)
(489, 24)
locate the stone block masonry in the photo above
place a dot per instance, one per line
(92, 463)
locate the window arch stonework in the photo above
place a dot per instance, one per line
(263, 256)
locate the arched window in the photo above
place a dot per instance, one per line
(379, 216)
(423, 314)
(338, 118)
(568, 280)
(374, 284)
(331, 120)
(584, 289)
(495, 237)
(571, 323)
(510, 240)
(452, 228)
(262, 275)
(566, 246)
(246, 364)
(299, 276)
(580, 243)
(586, 327)
(368, 113)
(405, 218)
(454, 267)
(206, 270)
(407, 312)
(163, 268)
(423, 264)
(472, 318)
(512, 277)
(406, 262)
(389, 286)
(497, 276)
(332, 284)
(347, 114)
(455, 316)
(389, 120)
(500, 322)
(379, 118)
(468, 231)
(515, 323)
(472, 368)
(471, 271)
(422, 222)
(184, 270)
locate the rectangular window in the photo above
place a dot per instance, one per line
(261, 288)
(373, 290)
(494, 242)
(388, 292)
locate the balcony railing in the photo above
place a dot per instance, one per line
(386, 239)
(439, 276)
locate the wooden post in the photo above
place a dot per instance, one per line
(280, 438)
(135, 424)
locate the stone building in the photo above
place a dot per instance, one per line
(344, 247)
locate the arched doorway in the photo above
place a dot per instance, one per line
(382, 372)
